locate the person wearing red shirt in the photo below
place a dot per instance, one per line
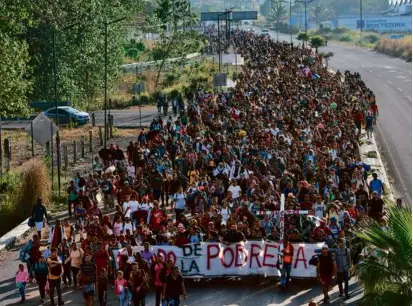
(101, 258)
(358, 119)
(157, 217)
(306, 204)
(321, 232)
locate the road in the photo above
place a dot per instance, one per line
(391, 80)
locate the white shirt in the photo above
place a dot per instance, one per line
(275, 131)
(145, 206)
(129, 226)
(125, 206)
(235, 191)
(319, 209)
(225, 213)
(131, 171)
(134, 205)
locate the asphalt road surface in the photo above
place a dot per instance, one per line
(391, 80)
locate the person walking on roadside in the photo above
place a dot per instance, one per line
(158, 271)
(39, 271)
(22, 277)
(39, 214)
(173, 288)
(326, 269)
(369, 121)
(343, 262)
(55, 270)
(285, 253)
(75, 259)
(87, 279)
(71, 197)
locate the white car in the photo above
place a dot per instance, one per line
(265, 32)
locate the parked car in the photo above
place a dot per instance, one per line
(265, 32)
(67, 114)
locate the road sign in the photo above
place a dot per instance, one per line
(139, 88)
(43, 129)
(238, 15)
(220, 79)
(396, 36)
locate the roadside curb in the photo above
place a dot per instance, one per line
(15, 234)
(366, 150)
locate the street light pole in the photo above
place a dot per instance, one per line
(361, 19)
(219, 35)
(106, 130)
(291, 27)
(56, 99)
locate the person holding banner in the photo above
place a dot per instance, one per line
(173, 288)
(326, 269)
(285, 257)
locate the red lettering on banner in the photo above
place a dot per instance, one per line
(303, 259)
(239, 248)
(270, 256)
(210, 255)
(255, 255)
(223, 257)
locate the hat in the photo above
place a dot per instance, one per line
(180, 225)
(325, 246)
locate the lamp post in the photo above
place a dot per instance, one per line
(219, 37)
(361, 19)
(56, 98)
(290, 27)
(106, 77)
(305, 12)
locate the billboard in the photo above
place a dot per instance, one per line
(378, 23)
(239, 15)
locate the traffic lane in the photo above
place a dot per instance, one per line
(394, 124)
(130, 118)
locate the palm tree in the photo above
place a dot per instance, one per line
(386, 271)
(326, 56)
(303, 36)
(316, 42)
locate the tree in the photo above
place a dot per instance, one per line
(304, 37)
(316, 42)
(278, 11)
(386, 271)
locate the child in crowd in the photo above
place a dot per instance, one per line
(22, 277)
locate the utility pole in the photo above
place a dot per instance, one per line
(106, 79)
(56, 99)
(361, 19)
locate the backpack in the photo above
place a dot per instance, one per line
(314, 260)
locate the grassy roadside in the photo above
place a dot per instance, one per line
(380, 42)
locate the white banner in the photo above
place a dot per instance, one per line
(244, 258)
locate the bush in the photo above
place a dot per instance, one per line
(371, 38)
(396, 47)
(17, 202)
(346, 38)
(341, 30)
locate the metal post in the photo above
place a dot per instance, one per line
(58, 160)
(90, 141)
(219, 47)
(291, 27)
(93, 120)
(106, 82)
(1, 152)
(7, 153)
(65, 156)
(111, 126)
(51, 152)
(361, 19)
(305, 16)
(82, 148)
(100, 136)
(31, 134)
(74, 152)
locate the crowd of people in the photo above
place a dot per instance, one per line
(217, 172)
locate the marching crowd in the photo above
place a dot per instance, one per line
(217, 173)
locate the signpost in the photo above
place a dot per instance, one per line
(396, 36)
(139, 88)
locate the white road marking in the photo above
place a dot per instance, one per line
(399, 89)
(389, 82)
(379, 76)
(400, 77)
(370, 71)
(392, 71)
(409, 98)
(407, 80)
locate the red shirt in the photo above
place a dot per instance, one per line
(156, 218)
(101, 259)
